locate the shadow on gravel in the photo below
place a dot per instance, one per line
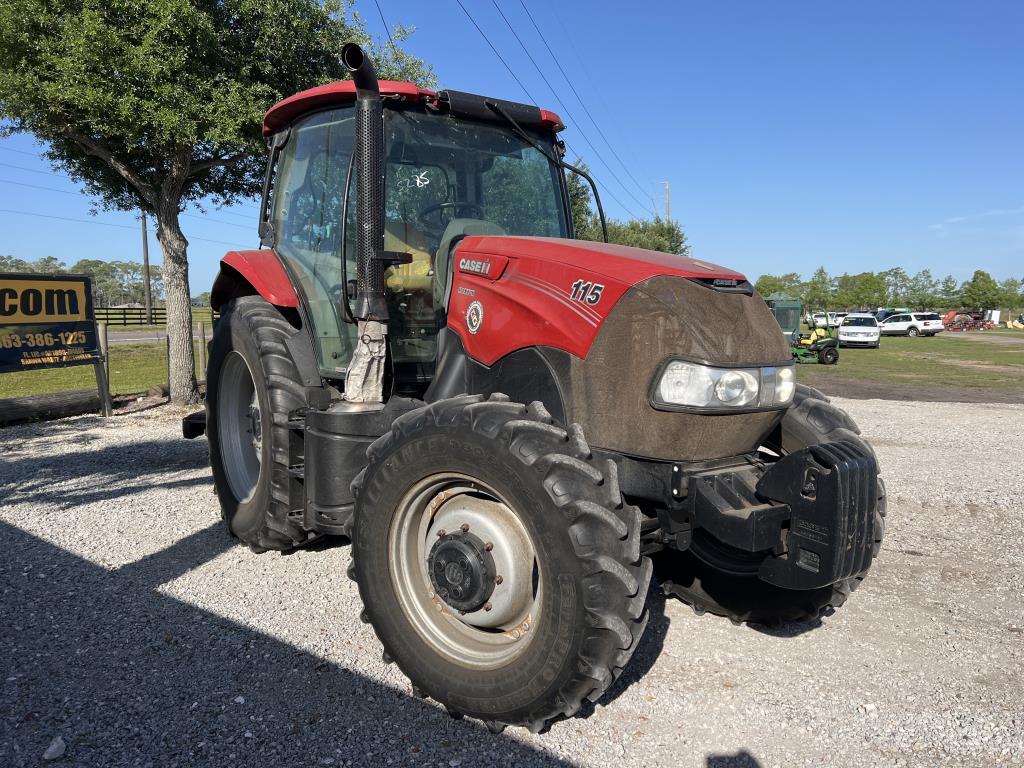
(128, 676)
(113, 472)
(741, 759)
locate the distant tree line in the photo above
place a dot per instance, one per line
(113, 282)
(895, 288)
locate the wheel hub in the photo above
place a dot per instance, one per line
(462, 571)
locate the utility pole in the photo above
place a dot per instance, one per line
(145, 269)
(668, 198)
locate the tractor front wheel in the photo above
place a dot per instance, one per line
(253, 386)
(497, 561)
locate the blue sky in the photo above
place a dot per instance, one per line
(857, 136)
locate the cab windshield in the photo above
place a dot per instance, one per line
(444, 179)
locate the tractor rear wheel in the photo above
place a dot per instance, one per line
(253, 386)
(716, 578)
(828, 356)
(497, 561)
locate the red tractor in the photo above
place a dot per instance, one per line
(506, 422)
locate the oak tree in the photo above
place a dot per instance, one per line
(156, 104)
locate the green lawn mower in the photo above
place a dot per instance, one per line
(818, 346)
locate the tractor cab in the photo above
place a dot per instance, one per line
(452, 167)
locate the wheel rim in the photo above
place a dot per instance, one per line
(239, 427)
(451, 506)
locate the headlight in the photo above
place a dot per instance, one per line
(702, 386)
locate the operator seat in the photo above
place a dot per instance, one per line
(405, 238)
(456, 230)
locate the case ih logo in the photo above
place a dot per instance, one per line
(474, 316)
(475, 266)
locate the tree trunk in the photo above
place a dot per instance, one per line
(184, 388)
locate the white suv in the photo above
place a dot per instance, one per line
(859, 330)
(913, 324)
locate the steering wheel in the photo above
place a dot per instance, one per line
(474, 210)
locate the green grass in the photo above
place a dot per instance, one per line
(933, 362)
(962, 362)
(133, 368)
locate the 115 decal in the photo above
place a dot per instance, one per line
(588, 293)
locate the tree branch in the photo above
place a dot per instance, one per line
(94, 148)
(202, 166)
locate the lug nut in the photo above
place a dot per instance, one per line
(516, 634)
(487, 606)
(488, 546)
(498, 579)
(464, 528)
(526, 626)
(442, 532)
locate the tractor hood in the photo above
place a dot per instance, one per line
(606, 319)
(620, 263)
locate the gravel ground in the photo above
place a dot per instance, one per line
(135, 633)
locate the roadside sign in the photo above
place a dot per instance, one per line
(47, 321)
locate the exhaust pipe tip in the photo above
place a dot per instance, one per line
(352, 56)
(355, 60)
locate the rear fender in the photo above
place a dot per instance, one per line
(246, 273)
(252, 273)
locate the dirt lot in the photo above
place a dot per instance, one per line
(136, 632)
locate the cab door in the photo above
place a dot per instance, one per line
(306, 206)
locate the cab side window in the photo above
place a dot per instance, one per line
(308, 196)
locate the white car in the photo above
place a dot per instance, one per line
(913, 324)
(835, 319)
(859, 330)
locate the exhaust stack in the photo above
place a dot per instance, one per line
(364, 379)
(369, 151)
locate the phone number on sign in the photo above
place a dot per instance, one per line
(64, 338)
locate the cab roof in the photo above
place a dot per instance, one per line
(284, 112)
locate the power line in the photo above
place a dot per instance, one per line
(38, 186)
(520, 82)
(386, 28)
(567, 36)
(105, 224)
(500, 58)
(20, 151)
(580, 100)
(28, 170)
(78, 194)
(204, 217)
(576, 123)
